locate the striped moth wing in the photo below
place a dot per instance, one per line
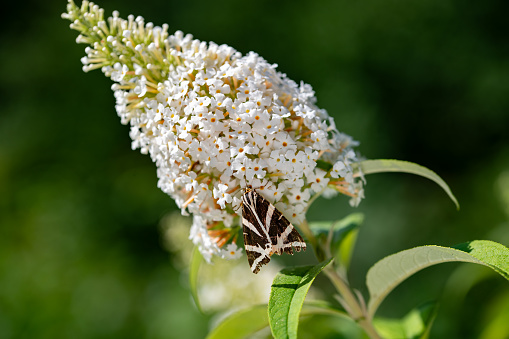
(266, 231)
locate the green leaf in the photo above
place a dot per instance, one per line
(343, 248)
(322, 307)
(241, 324)
(415, 325)
(287, 295)
(342, 235)
(386, 165)
(492, 254)
(194, 267)
(244, 323)
(386, 274)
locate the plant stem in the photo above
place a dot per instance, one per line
(304, 227)
(351, 303)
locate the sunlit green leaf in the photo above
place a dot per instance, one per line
(287, 295)
(415, 325)
(386, 274)
(387, 165)
(490, 253)
(194, 267)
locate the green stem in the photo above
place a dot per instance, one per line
(304, 228)
(353, 307)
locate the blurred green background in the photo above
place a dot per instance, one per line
(81, 254)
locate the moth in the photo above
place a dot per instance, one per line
(266, 231)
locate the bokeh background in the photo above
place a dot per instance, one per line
(81, 249)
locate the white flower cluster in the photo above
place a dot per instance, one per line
(215, 121)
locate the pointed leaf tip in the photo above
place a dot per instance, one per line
(389, 272)
(389, 165)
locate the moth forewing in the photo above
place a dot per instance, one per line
(266, 231)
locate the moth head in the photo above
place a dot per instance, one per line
(250, 188)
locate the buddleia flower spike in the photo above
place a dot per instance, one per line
(214, 122)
